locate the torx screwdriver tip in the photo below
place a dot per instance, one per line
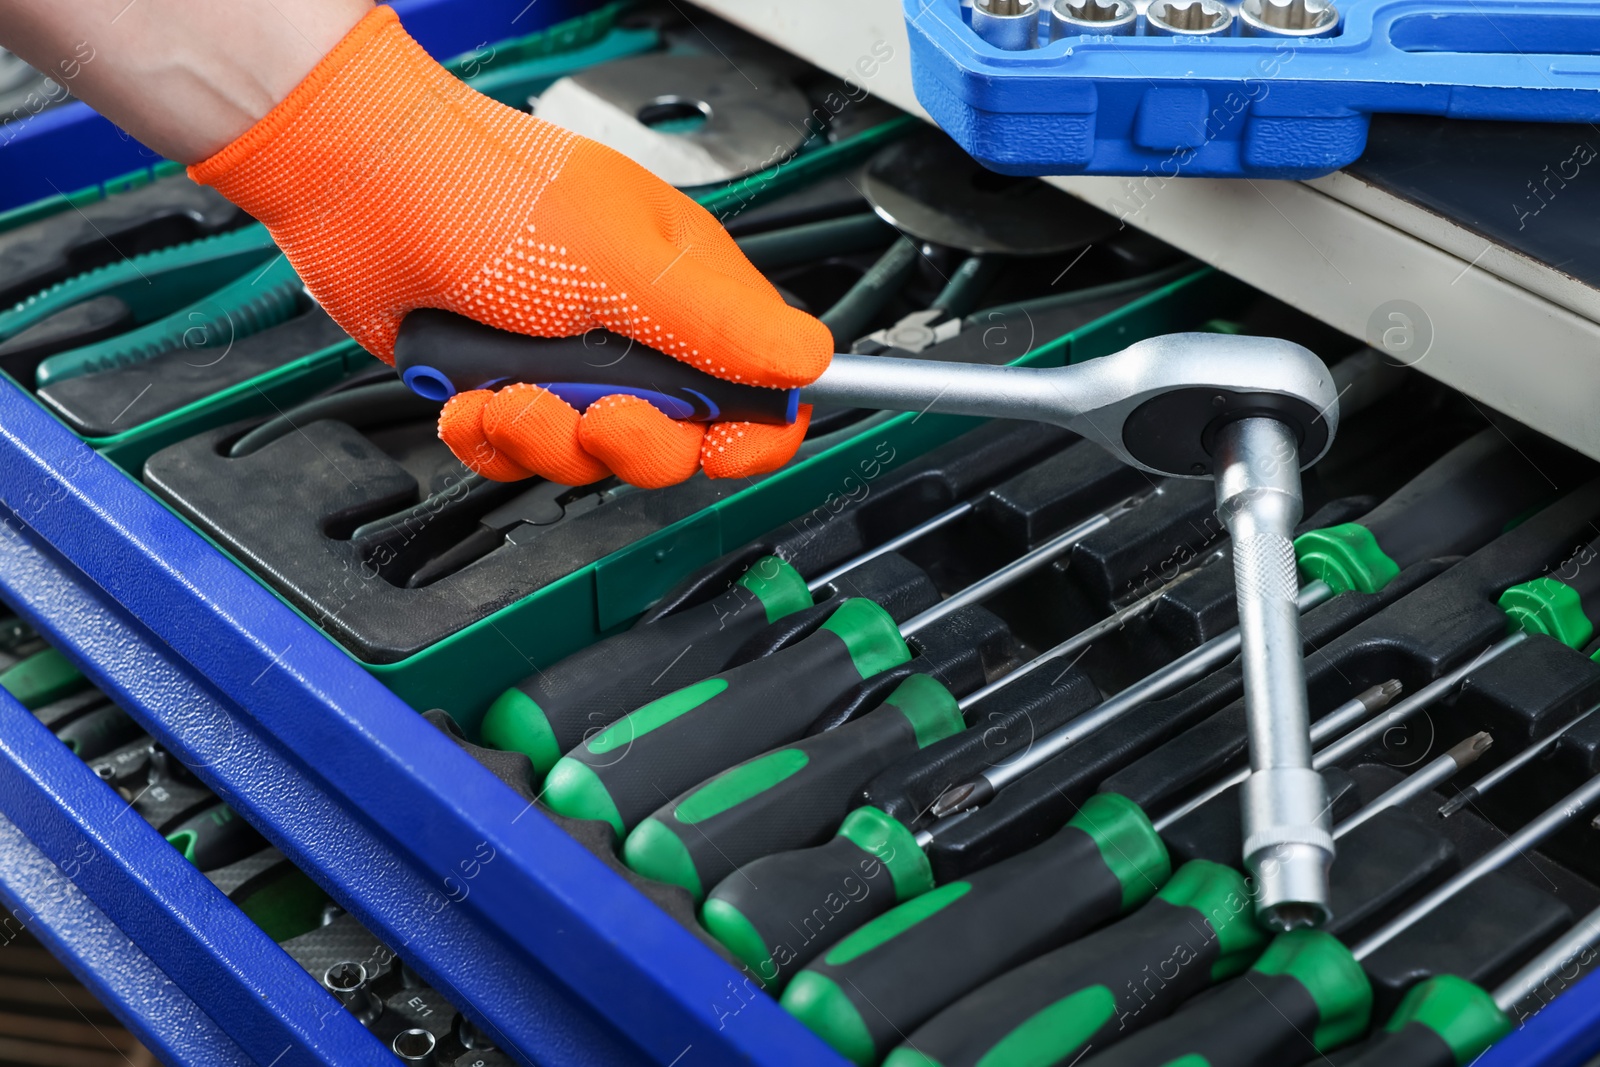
(1382, 694)
(1457, 802)
(1468, 750)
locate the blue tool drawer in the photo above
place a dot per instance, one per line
(384, 839)
(1231, 105)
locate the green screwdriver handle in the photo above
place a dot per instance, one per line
(792, 797)
(1563, 603)
(1080, 998)
(554, 710)
(778, 912)
(889, 977)
(623, 773)
(1305, 996)
(1458, 504)
(1444, 1021)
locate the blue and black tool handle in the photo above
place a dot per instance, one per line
(674, 743)
(869, 990)
(791, 797)
(1305, 996)
(1079, 999)
(440, 354)
(559, 707)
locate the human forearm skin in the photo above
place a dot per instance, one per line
(185, 77)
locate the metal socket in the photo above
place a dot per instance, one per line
(1009, 24)
(1288, 842)
(1188, 18)
(415, 1046)
(1093, 18)
(1288, 18)
(348, 980)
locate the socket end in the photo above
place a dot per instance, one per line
(1292, 886)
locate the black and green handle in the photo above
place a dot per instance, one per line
(792, 797)
(1304, 996)
(215, 838)
(877, 985)
(1081, 998)
(777, 913)
(1563, 604)
(555, 709)
(1444, 1021)
(1458, 504)
(623, 773)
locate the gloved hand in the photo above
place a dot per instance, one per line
(392, 186)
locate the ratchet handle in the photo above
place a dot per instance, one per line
(440, 354)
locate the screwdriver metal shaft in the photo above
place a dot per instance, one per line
(1554, 818)
(894, 544)
(1021, 567)
(1359, 707)
(1558, 956)
(1508, 768)
(1183, 671)
(1435, 773)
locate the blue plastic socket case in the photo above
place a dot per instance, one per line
(1231, 106)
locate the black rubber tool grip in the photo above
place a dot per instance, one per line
(556, 709)
(871, 989)
(439, 354)
(778, 912)
(624, 772)
(1305, 996)
(1084, 996)
(792, 797)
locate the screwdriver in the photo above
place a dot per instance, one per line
(1438, 771)
(1304, 996)
(867, 991)
(1509, 767)
(1563, 604)
(1454, 506)
(794, 797)
(1357, 709)
(623, 773)
(1357, 740)
(1446, 1021)
(1082, 997)
(778, 912)
(788, 797)
(41, 679)
(1540, 828)
(553, 710)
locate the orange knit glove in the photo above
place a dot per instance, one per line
(392, 186)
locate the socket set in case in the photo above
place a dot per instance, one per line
(1263, 89)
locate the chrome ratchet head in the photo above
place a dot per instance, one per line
(1158, 404)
